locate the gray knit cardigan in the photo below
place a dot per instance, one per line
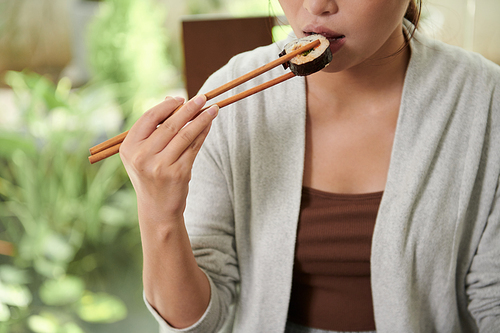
(435, 261)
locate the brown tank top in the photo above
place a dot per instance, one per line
(331, 277)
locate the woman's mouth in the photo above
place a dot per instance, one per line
(330, 37)
(336, 40)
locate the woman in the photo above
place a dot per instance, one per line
(360, 198)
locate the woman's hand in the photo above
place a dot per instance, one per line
(159, 159)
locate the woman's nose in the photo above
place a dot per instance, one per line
(321, 7)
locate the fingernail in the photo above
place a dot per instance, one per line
(213, 110)
(179, 99)
(200, 100)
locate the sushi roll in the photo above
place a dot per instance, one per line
(310, 61)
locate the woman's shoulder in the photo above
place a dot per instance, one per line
(459, 83)
(452, 63)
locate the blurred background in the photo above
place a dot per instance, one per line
(74, 73)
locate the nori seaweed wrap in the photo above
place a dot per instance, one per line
(310, 61)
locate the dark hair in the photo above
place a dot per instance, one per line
(413, 15)
(413, 12)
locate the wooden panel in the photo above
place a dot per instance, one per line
(210, 43)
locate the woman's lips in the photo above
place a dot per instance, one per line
(336, 40)
(336, 43)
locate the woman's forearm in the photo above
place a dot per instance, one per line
(173, 283)
(158, 160)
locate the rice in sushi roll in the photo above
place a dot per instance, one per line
(310, 61)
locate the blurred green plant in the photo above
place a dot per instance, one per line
(128, 51)
(61, 213)
(204, 6)
(73, 225)
(253, 7)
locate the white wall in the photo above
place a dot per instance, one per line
(471, 24)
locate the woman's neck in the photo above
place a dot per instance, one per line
(374, 79)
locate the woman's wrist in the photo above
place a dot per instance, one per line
(160, 208)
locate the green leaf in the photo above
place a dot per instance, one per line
(13, 275)
(10, 142)
(48, 268)
(63, 88)
(56, 248)
(101, 308)
(43, 323)
(15, 80)
(15, 295)
(4, 312)
(64, 291)
(113, 216)
(72, 328)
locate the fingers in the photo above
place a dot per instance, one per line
(177, 139)
(148, 123)
(161, 137)
(188, 141)
(186, 159)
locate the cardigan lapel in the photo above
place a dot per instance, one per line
(413, 250)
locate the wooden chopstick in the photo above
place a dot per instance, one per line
(111, 146)
(256, 72)
(110, 151)
(220, 90)
(108, 143)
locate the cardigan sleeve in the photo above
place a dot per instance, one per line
(483, 279)
(210, 225)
